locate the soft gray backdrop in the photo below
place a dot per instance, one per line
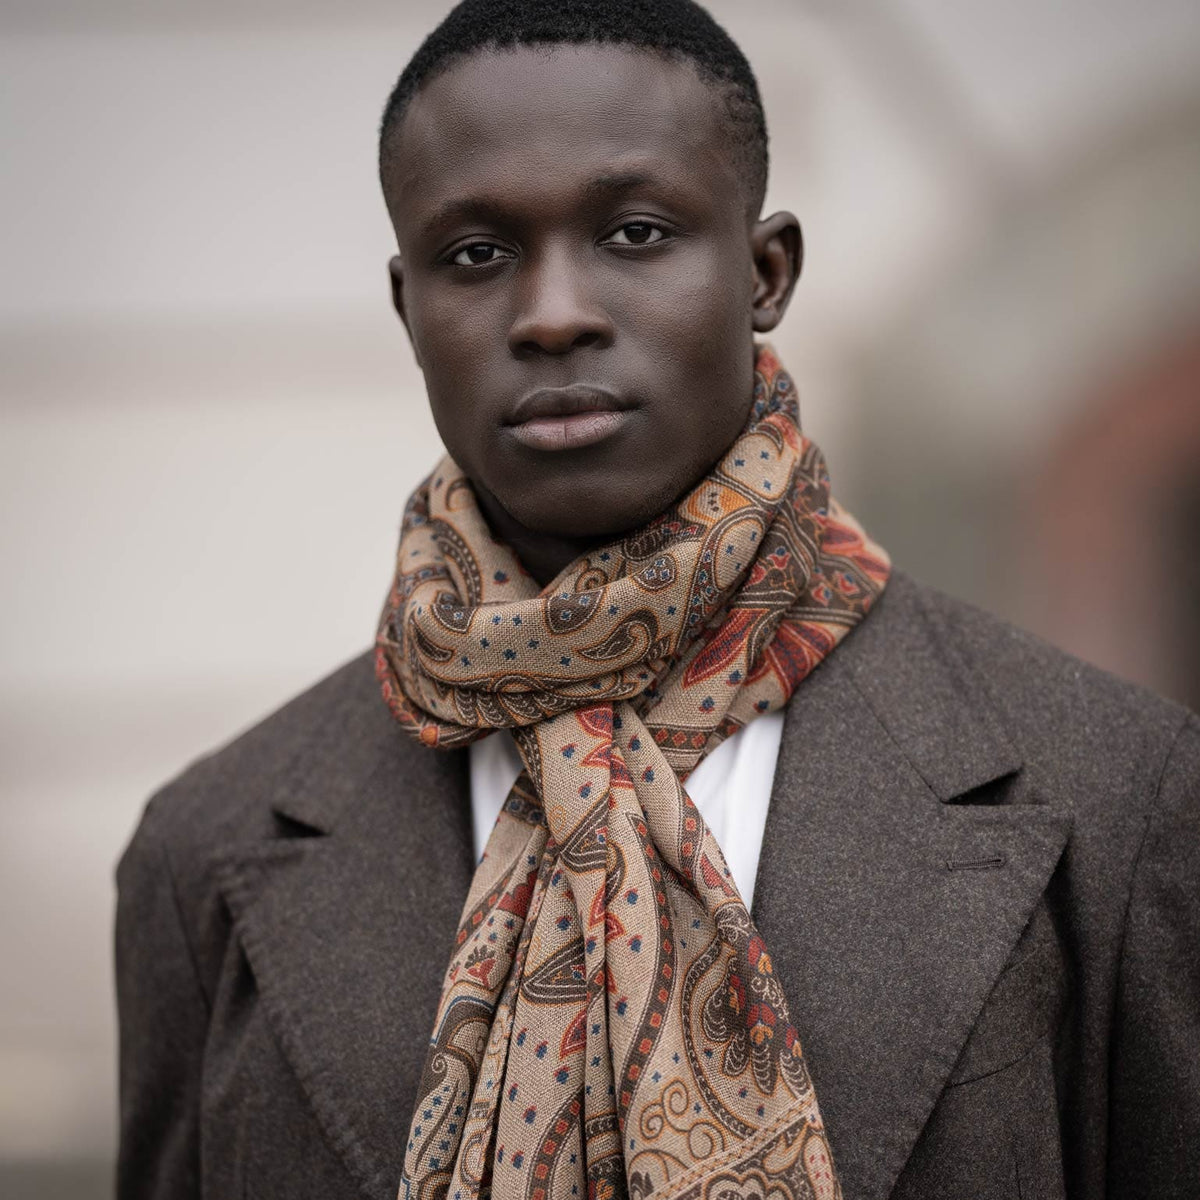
(210, 418)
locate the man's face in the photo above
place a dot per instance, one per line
(579, 277)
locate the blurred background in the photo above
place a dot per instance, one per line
(210, 419)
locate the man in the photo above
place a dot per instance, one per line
(955, 955)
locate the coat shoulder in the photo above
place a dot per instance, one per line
(1080, 730)
(318, 743)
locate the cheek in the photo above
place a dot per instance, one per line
(456, 341)
(445, 321)
(696, 313)
(698, 326)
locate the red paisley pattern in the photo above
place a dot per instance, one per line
(610, 1021)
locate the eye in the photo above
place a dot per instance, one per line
(479, 254)
(636, 233)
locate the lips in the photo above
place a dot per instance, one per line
(567, 418)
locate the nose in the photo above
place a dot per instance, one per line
(557, 310)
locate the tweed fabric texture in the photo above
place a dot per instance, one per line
(610, 1020)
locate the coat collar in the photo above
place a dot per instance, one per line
(888, 949)
(347, 921)
(916, 884)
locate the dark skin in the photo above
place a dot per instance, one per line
(581, 276)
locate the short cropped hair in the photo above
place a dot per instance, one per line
(676, 29)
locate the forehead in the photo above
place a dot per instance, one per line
(546, 118)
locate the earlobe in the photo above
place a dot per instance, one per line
(778, 251)
(396, 273)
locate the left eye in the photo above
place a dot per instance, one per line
(636, 233)
(479, 254)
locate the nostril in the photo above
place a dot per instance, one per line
(559, 339)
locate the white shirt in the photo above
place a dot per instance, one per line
(731, 788)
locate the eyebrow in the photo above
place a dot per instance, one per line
(618, 181)
(466, 209)
(482, 208)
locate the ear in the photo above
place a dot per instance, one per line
(778, 251)
(396, 271)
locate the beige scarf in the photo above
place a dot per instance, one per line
(610, 1023)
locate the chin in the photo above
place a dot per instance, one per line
(585, 513)
(586, 521)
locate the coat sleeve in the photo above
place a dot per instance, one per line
(163, 1018)
(1154, 1134)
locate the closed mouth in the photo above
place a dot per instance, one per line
(565, 402)
(567, 418)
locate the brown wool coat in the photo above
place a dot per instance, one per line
(980, 882)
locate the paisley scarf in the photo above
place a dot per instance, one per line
(610, 1021)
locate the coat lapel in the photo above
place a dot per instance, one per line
(347, 926)
(890, 905)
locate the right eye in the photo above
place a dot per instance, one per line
(479, 254)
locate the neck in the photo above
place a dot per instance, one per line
(543, 555)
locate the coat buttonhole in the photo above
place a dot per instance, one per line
(993, 863)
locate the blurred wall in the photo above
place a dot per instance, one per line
(211, 420)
